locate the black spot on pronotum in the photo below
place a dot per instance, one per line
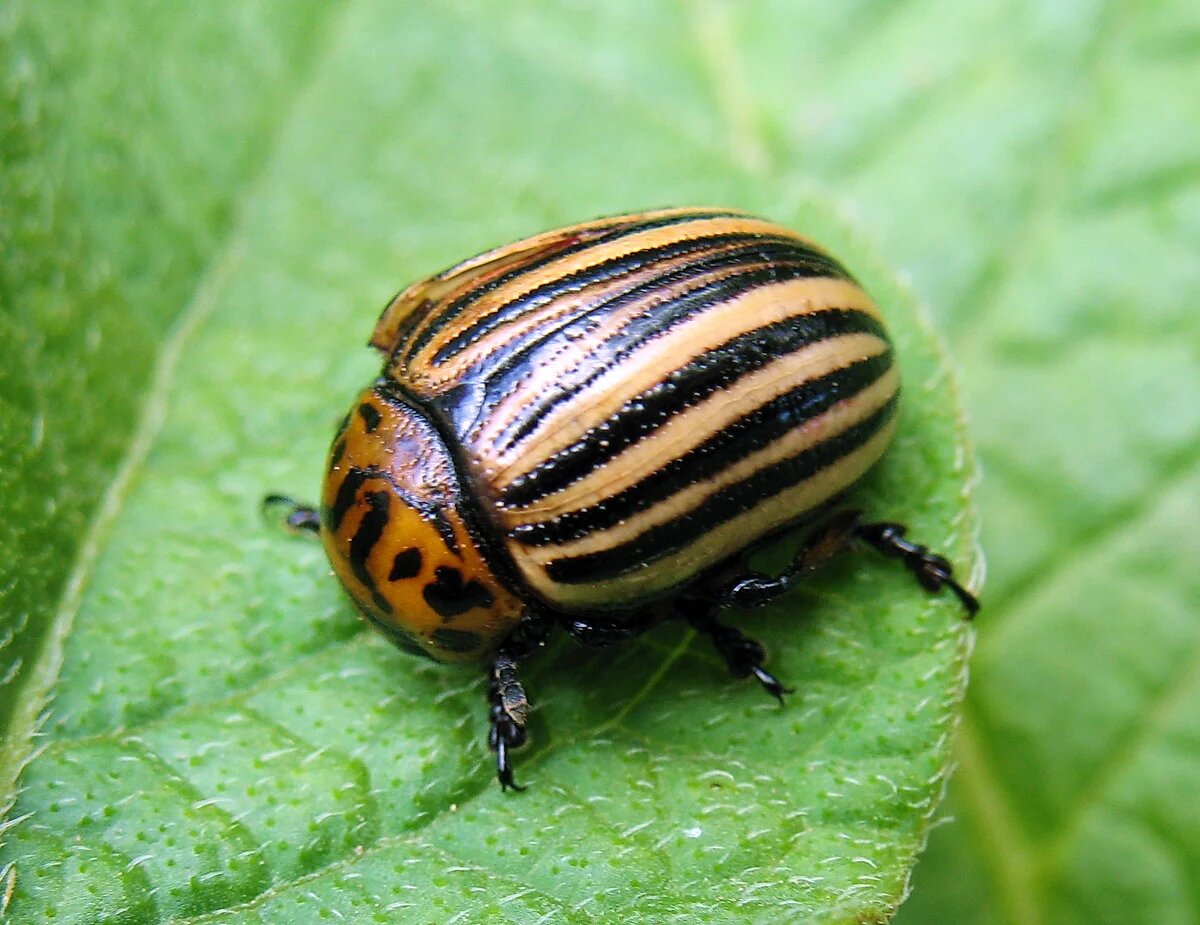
(344, 500)
(338, 451)
(407, 564)
(455, 640)
(371, 417)
(450, 596)
(399, 637)
(370, 528)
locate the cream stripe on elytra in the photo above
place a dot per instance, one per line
(491, 300)
(686, 430)
(841, 417)
(664, 575)
(652, 363)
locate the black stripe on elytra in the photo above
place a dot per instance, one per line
(726, 447)
(759, 247)
(370, 529)
(710, 289)
(682, 388)
(593, 238)
(686, 529)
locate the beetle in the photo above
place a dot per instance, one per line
(588, 429)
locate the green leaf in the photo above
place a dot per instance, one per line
(126, 145)
(220, 732)
(204, 209)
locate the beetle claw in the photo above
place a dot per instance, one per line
(504, 772)
(771, 684)
(743, 655)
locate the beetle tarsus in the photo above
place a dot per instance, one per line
(933, 572)
(300, 517)
(505, 735)
(744, 656)
(771, 684)
(509, 710)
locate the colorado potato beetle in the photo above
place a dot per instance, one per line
(588, 430)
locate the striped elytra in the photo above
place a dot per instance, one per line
(588, 421)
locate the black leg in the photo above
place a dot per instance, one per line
(507, 703)
(509, 711)
(599, 632)
(932, 571)
(743, 655)
(753, 589)
(300, 517)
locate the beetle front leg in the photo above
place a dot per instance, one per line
(508, 705)
(300, 517)
(509, 713)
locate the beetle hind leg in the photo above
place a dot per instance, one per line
(933, 572)
(836, 534)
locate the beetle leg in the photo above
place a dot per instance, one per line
(743, 655)
(509, 711)
(598, 633)
(753, 589)
(300, 517)
(932, 571)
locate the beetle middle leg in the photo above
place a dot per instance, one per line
(834, 535)
(743, 655)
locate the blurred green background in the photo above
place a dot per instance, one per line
(1032, 169)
